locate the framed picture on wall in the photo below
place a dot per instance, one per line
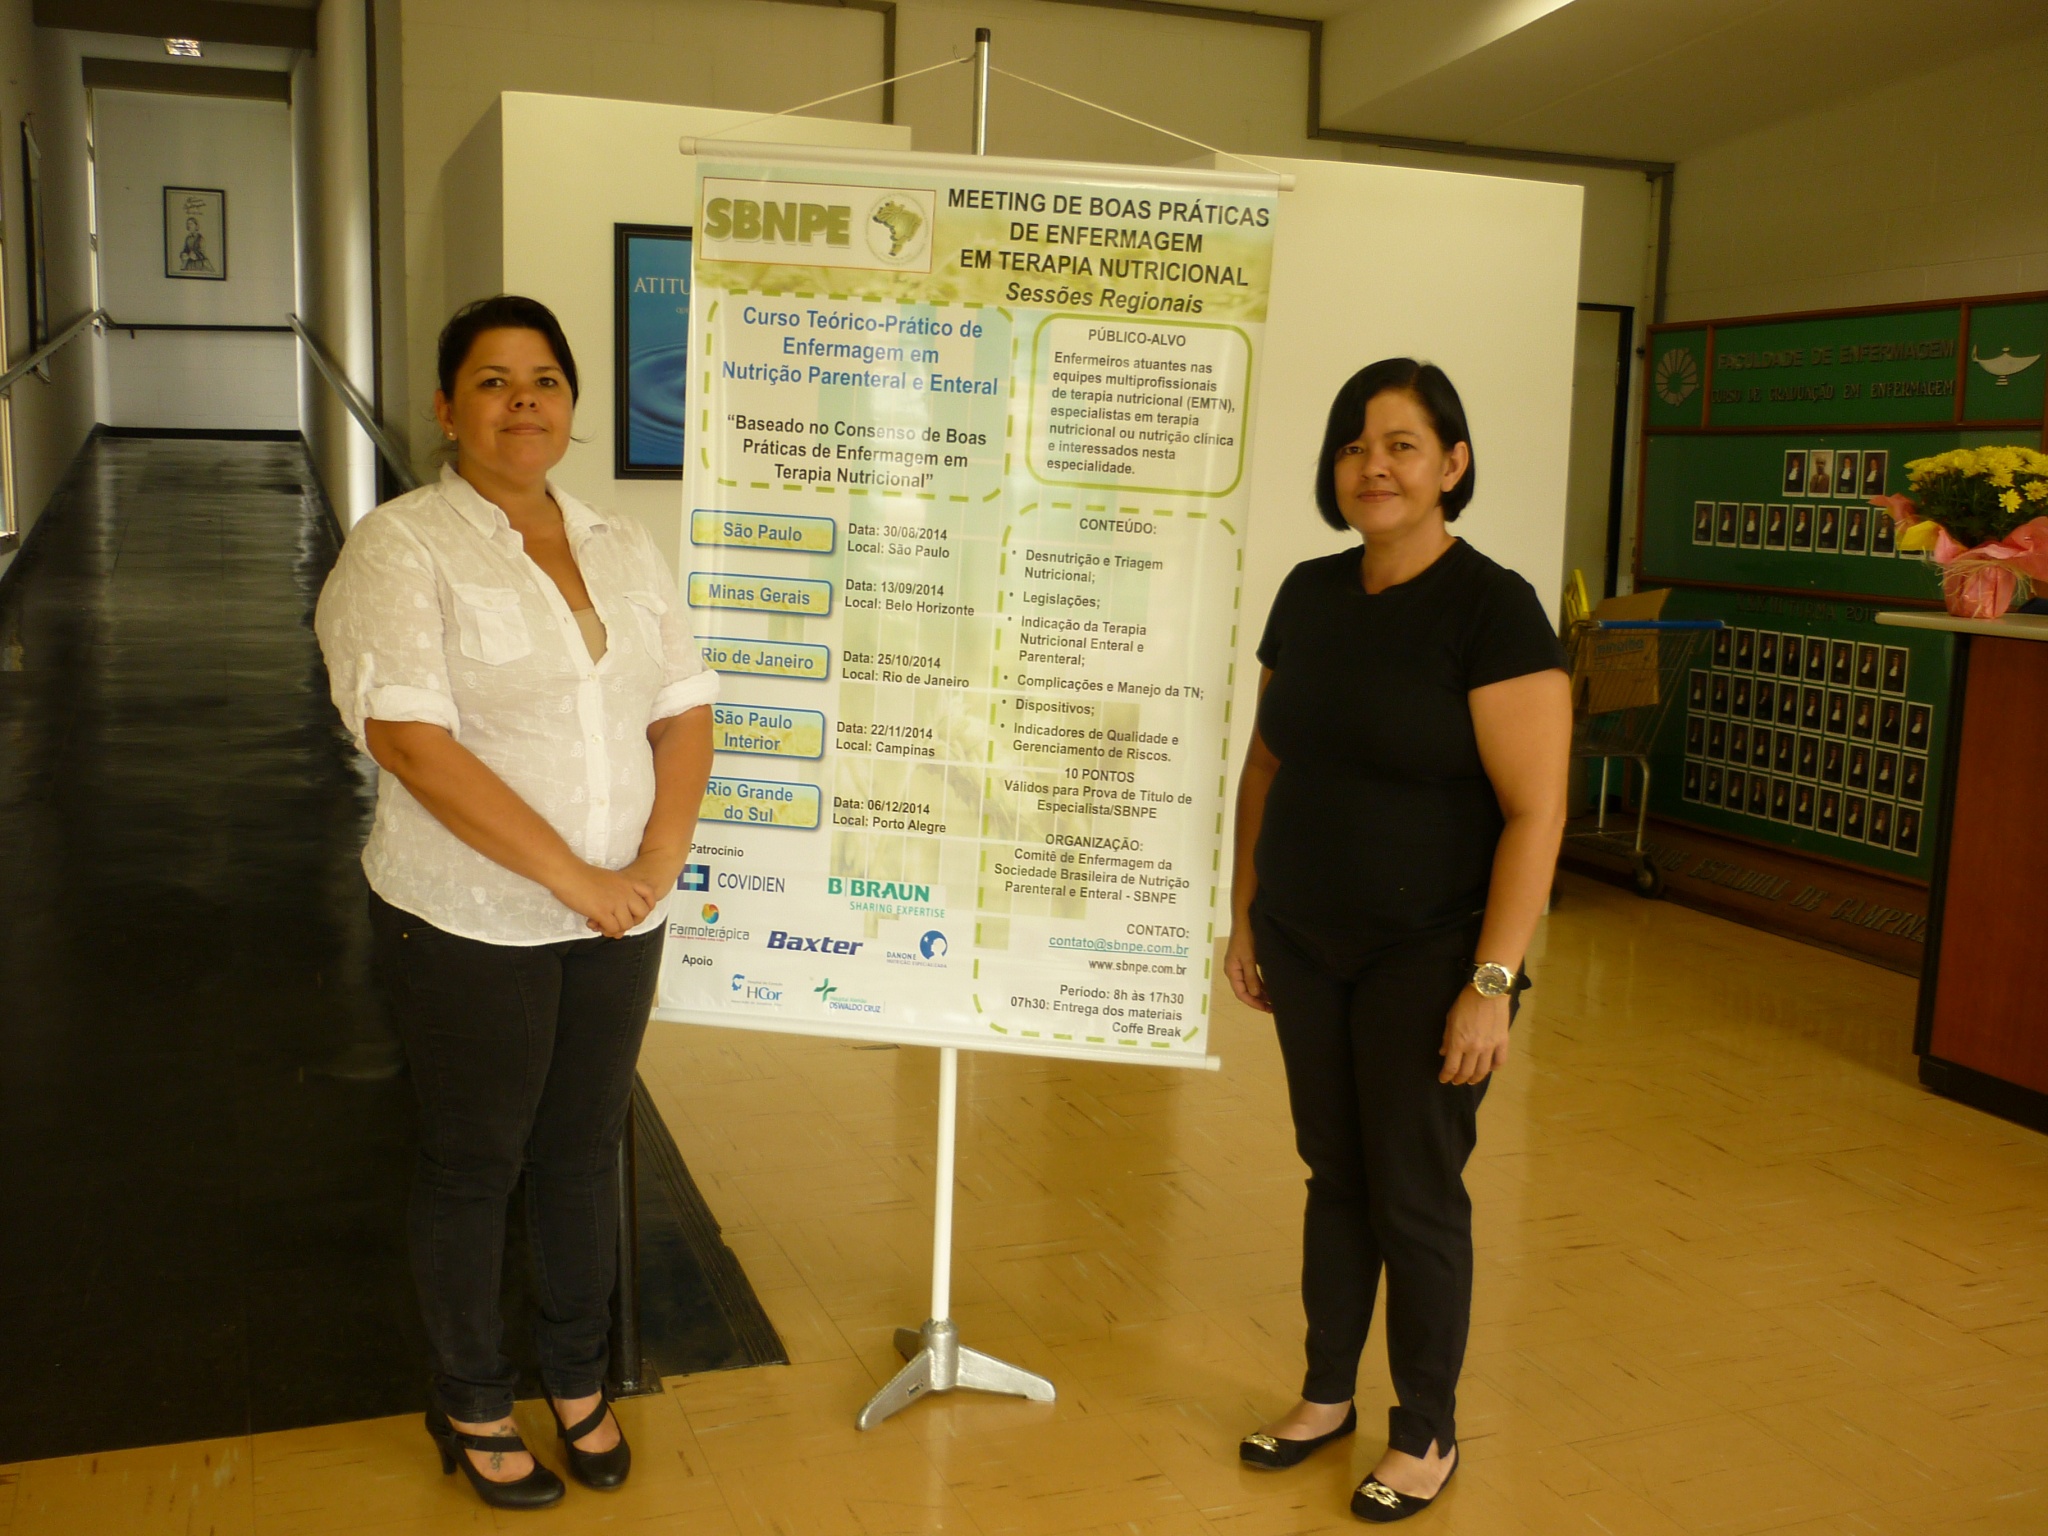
(196, 233)
(651, 349)
(37, 267)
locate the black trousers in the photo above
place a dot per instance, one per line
(1386, 1145)
(523, 1060)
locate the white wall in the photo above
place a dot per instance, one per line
(1241, 88)
(147, 141)
(1927, 189)
(49, 419)
(331, 182)
(569, 169)
(1491, 298)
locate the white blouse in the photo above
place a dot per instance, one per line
(435, 613)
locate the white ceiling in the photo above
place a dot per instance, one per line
(1642, 79)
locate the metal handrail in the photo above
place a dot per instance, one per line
(37, 358)
(358, 407)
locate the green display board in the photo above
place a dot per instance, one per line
(1788, 511)
(1824, 725)
(1811, 726)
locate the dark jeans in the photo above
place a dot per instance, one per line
(523, 1060)
(1386, 1145)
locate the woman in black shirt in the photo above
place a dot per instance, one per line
(1398, 824)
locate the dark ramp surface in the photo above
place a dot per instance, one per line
(205, 1137)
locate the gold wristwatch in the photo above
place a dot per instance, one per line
(1490, 980)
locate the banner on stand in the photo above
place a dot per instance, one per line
(965, 501)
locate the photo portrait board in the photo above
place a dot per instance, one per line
(651, 352)
(966, 550)
(196, 233)
(1823, 412)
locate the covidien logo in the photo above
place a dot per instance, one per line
(695, 877)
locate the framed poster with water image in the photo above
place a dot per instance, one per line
(650, 352)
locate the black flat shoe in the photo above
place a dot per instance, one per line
(1273, 1453)
(537, 1490)
(1376, 1502)
(602, 1470)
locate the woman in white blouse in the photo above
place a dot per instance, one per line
(522, 670)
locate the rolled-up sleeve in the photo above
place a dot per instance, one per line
(686, 681)
(382, 632)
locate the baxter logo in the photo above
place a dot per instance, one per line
(878, 890)
(817, 946)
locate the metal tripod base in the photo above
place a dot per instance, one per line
(939, 1362)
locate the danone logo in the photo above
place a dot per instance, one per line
(809, 224)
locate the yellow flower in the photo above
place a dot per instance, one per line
(2010, 500)
(2037, 490)
(1921, 535)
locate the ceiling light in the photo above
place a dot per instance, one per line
(182, 47)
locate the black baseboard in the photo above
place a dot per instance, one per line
(227, 434)
(1979, 1090)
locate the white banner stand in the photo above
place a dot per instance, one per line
(938, 1361)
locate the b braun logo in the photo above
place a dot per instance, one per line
(878, 890)
(823, 224)
(818, 946)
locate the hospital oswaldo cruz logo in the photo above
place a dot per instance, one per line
(818, 224)
(836, 1001)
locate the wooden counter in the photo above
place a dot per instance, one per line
(1982, 1032)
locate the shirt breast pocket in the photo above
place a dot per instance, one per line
(647, 609)
(489, 624)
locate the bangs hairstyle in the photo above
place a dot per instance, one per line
(1439, 400)
(500, 312)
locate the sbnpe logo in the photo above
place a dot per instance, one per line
(820, 224)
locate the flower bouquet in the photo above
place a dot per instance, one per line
(1981, 514)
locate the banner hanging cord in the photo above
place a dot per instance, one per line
(994, 69)
(805, 106)
(997, 69)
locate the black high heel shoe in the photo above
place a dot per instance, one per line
(1273, 1453)
(537, 1490)
(602, 1470)
(1377, 1503)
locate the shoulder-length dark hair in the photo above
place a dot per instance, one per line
(1439, 400)
(500, 312)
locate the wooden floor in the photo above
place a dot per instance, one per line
(1737, 1274)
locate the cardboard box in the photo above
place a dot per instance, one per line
(1614, 670)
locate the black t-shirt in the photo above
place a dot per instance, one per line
(1381, 822)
